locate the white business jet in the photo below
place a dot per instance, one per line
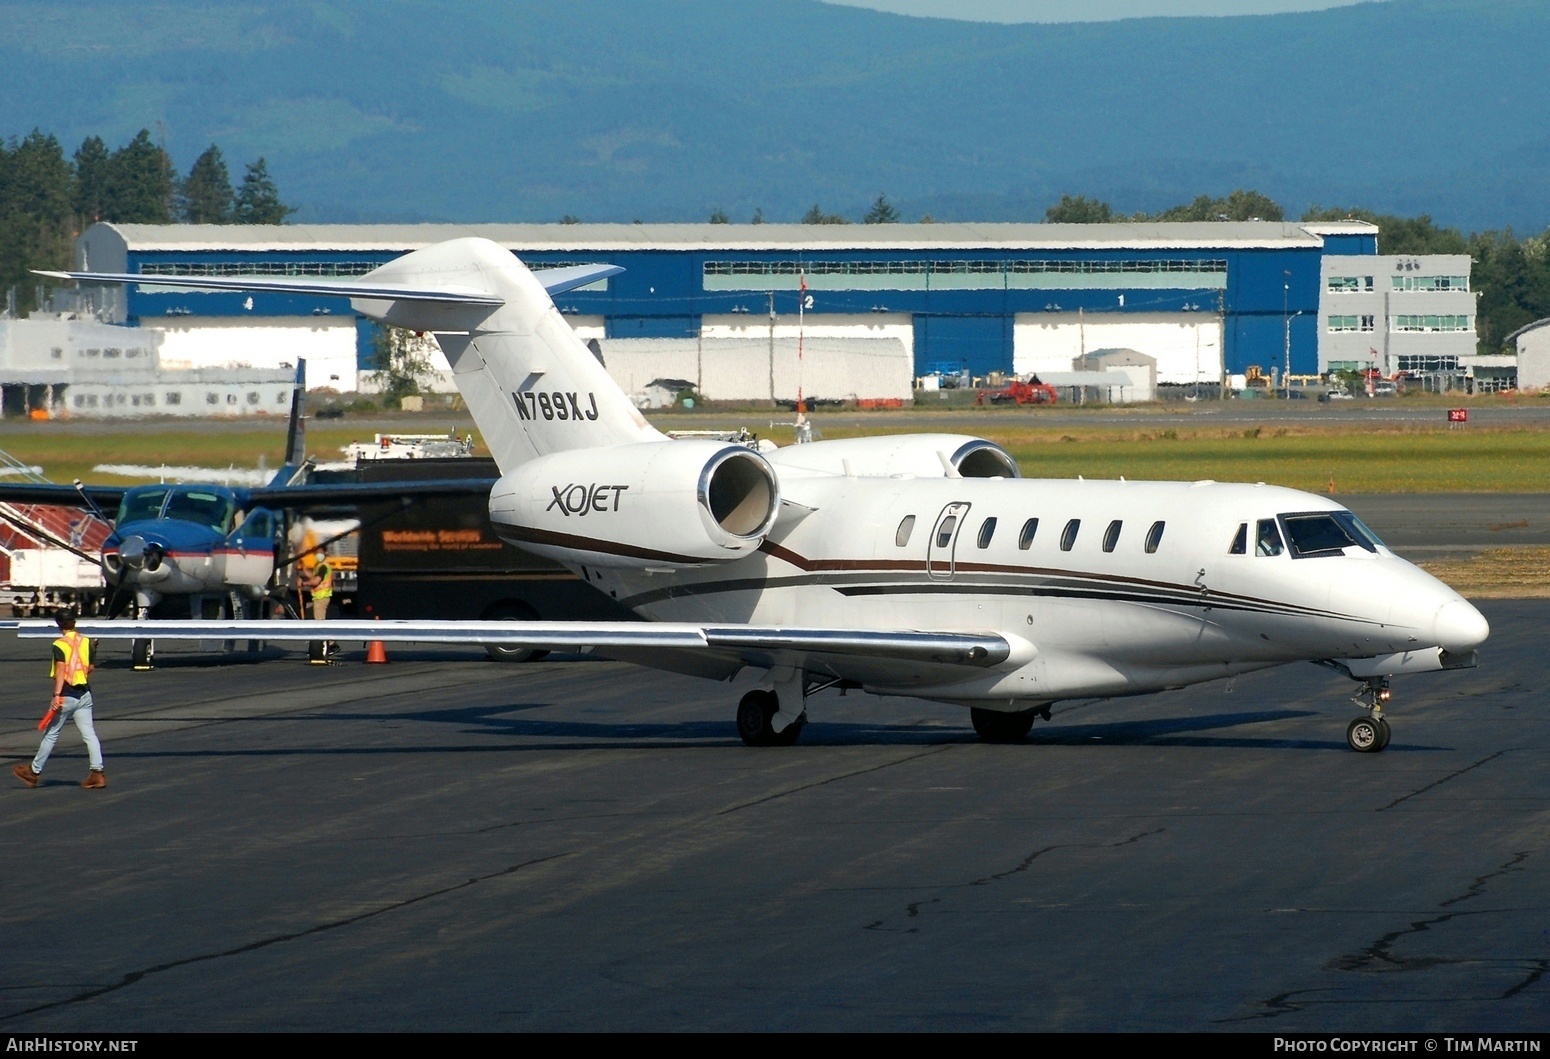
(918, 565)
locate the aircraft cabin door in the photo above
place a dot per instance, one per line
(944, 541)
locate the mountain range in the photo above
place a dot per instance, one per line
(663, 110)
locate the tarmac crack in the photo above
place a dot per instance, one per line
(912, 910)
(1439, 782)
(253, 946)
(1380, 957)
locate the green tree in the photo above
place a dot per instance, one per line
(403, 364)
(140, 183)
(258, 200)
(882, 211)
(719, 216)
(817, 216)
(1079, 209)
(36, 215)
(1241, 205)
(205, 196)
(758, 215)
(92, 164)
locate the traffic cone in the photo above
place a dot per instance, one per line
(376, 651)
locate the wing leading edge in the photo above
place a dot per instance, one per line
(950, 648)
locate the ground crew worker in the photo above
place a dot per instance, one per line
(320, 582)
(72, 701)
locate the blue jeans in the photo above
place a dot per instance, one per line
(80, 711)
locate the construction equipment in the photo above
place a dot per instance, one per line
(1031, 391)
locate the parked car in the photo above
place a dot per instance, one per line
(1335, 395)
(1384, 388)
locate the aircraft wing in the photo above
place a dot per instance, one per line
(300, 497)
(555, 281)
(751, 641)
(106, 497)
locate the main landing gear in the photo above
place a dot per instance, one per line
(756, 721)
(1370, 734)
(995, 727)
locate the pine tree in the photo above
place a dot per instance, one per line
(258, 200)
(91, 180)
(205, 196)
(140, 183)
(882, 211)
(1079, 209)
(817, 216)
(35, 212)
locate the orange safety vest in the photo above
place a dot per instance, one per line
(77, 651)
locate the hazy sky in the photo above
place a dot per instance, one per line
(1086, 10)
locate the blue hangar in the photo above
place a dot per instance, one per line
(1203, 299)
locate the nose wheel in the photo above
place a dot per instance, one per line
(1370, 734)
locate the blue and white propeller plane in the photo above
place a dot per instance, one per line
(918, 565)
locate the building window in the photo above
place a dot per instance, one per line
(1431, 283)
(231, 398)
(80, 401)
(987, 531)
(56, 353)
(212, 398)
(1025, 537)
(901, 537)
(1342, 323)
(1111, 535)
(1345, 284)
(1431, 322)
(253, 397)
(112, 354)
(1154, 537)
(174, 397)
(1369, 323)
(1422, 363)
(1068, 535)
(259, 268)
(280, 397)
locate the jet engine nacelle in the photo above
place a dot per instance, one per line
(663, 503)
(921, 455)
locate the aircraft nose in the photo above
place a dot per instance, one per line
(1459, 627)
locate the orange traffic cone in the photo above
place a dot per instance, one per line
(376, 652)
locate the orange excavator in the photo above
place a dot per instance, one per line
(1030, 392)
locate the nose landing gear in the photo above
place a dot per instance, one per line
(1370, 734)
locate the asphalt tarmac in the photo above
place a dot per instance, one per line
(446, 843)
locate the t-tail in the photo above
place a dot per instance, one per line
(533, 387)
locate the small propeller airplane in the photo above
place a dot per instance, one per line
(919, 565)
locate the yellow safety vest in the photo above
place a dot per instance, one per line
(325, 575)
(77, 651)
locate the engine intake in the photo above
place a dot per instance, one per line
(667, 503)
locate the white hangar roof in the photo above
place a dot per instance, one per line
(1227, 235)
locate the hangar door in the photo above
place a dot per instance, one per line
(1186, 346)
(952, 343)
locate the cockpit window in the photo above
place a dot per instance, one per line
(206, 508)
(1267, 541)
(1326, 533)
(141, 504)
(1240, 540)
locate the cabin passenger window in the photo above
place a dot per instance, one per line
(1267, 541)
(1111, 535)
(906, 527)
(1240, 541)
(987, 531)
(944, 533)
(1068, 535)
(1025, 538)
(1154, 537)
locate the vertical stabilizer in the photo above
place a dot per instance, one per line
(533, 387)
(296, 434)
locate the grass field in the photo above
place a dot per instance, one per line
(1356, 458)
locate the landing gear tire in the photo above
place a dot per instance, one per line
(1367, 735)
(142, 654)
(512, 612)
(755, 721)
(994, 727)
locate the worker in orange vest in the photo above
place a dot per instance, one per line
(72, 702)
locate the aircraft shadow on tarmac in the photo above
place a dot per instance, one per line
(547, 735)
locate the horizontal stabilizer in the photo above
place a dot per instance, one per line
(752, 641)
(555, 281)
